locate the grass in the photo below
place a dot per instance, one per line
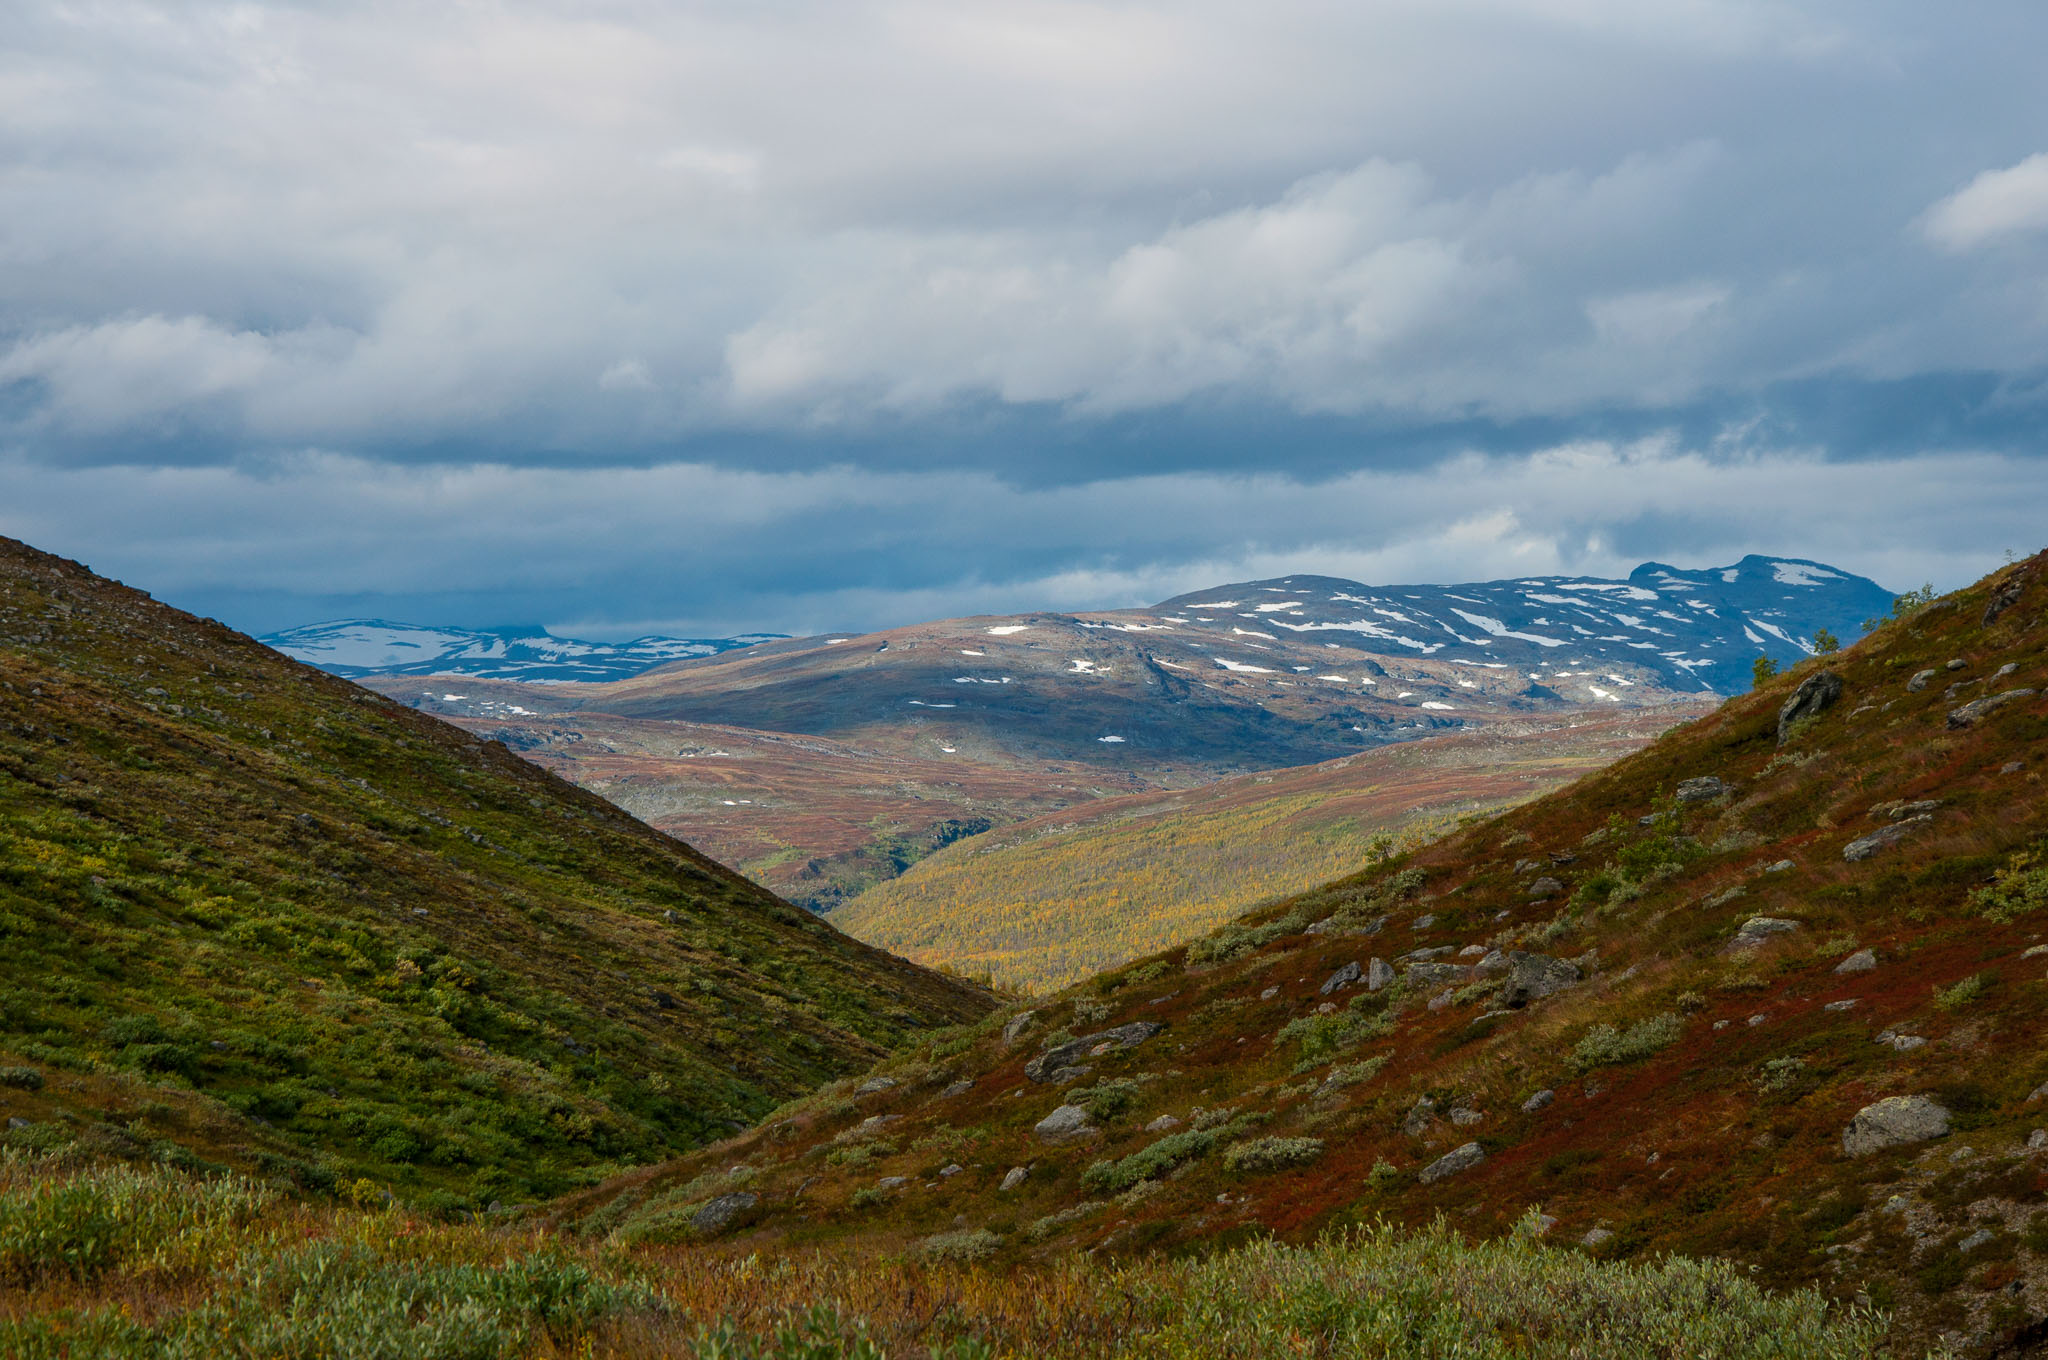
(209, 1267)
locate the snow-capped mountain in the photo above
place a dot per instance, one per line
(359, 647)
(1699, 630)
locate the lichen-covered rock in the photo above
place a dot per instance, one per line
(722, 1213)
(1894, 1122)
(1704, 789)
(1862, 961)
(1975, 711)
(1544, 887)
(1815, 693)
(1452, 1162)
(1433, 974)
(1378, 974)
(1340, 979)
(874, 1084)
(1920, 679)
(1531, 977)
(1046, 1066)
(957, 1089)
(1014, 1177)
(1019, 1022)
(1758, 929)
(1863, 847)
(1538, 1101)
(1067, 1124)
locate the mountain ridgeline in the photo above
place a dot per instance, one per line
(253, 915)
(359, 647)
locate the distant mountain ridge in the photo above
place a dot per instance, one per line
(358, 647)
(1699, 630)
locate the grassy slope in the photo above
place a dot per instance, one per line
(257, 913)
(1719, 1131)
(1050, 901)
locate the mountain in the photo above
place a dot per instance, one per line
(1696, 630)
(1049, 901)
(252, 914)
(1772, 989)
(359, 647)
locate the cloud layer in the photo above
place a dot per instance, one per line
(422, 291)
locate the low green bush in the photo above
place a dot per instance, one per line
(1606, 1046)
(1146, 1163)
(21, 1078)
(1271, 1154)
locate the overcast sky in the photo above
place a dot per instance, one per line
(794, 315)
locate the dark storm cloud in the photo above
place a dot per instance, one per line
(740, 316)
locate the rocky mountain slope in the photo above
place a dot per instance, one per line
(1771, 989)
(1049, 901)
(253, 914)
(359, 647)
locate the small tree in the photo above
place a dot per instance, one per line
(1761, 672)
(1825, 642)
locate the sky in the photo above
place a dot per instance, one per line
(788, 315)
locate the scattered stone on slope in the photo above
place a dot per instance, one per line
(1596, 1237)
(1920, 679)
(1538, 1101)
(1956, 663)
(1419, 1117)
(1047, 1065)
(1758, 929)
(1019, 1022)
(1971, 713)
(874, 1084)
(1452, 1162)
(722, 1213)
(1492, 964)
(1014, 1177)
(1433, 974)
(1535, 976)
(1815, 693)
(1067, 1124)
(1704, 789)
(2005, 596)
(1165, 1123)
(1340, 979)
(1527, 866)
(958, 1088)
(1462, 1115)
(1378, 974)
(1544, 887)
(1862, 961)
(1863, 847)
(1901, 1043)
(1894, 1122)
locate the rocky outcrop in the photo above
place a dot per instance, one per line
(1815, 693)
(1863, 847)
(722, 1213)
(1019, 1022)
(2005, 596)
(1894, 1122)
(1704, 789)
(1862, 961)
(1046, 1066)
(1067, 1124)
(1378, 974)
(1757, 930)
(1340, 979)
(1970, 714)
(1531, 977)
(1452, 1162)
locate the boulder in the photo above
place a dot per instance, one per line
(722, 1213)
(958, 1088)
(1493, 964)
(1462, 1115)
(1378, 974)
(1863, 847)
(1544, 887)
(1165, 1123)
(1757, 929)
(1046, 1066)
(1815, 693)
(1969, 714)
(2005, 596)
(1419, 1117)
(1894, 1122)
(1433, 974)
(1532, 977)
(1452, 1162)
(874, 1084)
(1014, 1177)
(1019, 1022)
(1538, 1101)
(1704, 789)
(1424, 922)
(1596, 1237)
(1920, 679)
(1340, 979)
(1067, 1124)
(1862, 961)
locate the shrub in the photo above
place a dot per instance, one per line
(1606, 1046)
(1961, 994)
(2017, 889)
(1043, 1228)
(1762, 671)
(868, 1196)
(1106, 1099)
(969, 1244)
(860, 1154)
(1271, 1154)
(1147, 1162)
(1088, 1012)
(1383, 1174)
(1323, 1037)
(21, 1078)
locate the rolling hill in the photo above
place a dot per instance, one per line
(1772, 989)
(354, 648)
(1049, 901)
(251, 914)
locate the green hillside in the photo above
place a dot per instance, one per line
(1773, 990)
(254, 915)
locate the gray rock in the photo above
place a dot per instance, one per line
(2037, 1140)
(1378, 974)
(951, 1169)
(1340, 979)
(1044, 1067)
(1014, 1177)
(2007, 669)
(15, 1121)
(722, 1213)
(1493, 964)
(1976, 1240)
(1419, 1117)
(1417, 955)
(2005, 596)
(1902, 1043)
(1815, 693)
(1596, 1237)
(1269, 993)
(957, 1089)
(1165, 1123)
(1704, 789)
(1019, 1022)
(1460, 1115)
(874, 1084)
(1061, 1076)
(1321, 927)
(1527, 866)
(1846, 1005)
(1424, 922)
(1894, 1122)
(1971, 713)
(1543, 888)
(1532, 977)
(1067, 1124)
(1433, 974)
(1452, 1162)
(1780, 867)
(1920, 679)
(1862, 961)
(892, 1182)
(1758, 929)
(2012, 767)
(1883, 838)
(1541, 1100)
